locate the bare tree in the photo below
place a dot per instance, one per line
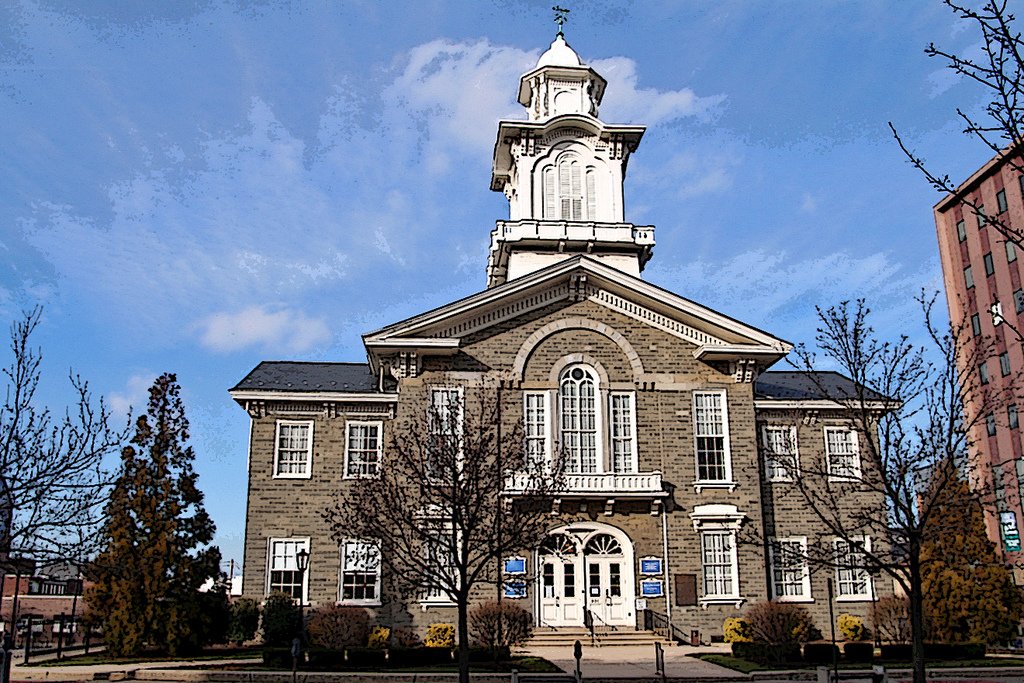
(458, 491)
(53, 483)
(906, 406)
(999, 71)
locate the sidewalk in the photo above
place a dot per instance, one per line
(637, 662)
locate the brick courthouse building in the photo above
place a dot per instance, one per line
(670, 421)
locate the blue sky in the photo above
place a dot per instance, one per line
(198, 186)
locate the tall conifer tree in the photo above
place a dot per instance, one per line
(969, 594)
(156, 538)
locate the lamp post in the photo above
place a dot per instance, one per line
(302, 564)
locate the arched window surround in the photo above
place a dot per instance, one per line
(569, 188)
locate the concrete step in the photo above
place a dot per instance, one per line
(567, 637)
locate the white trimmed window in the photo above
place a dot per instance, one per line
(569, 189)
(718, 559)
(535, 424)
(623, 432)
(293, 449)
(781, 461)
(577, 395)
(842, 454)
(852, 580)
(362, 449)
(445, 421)
(283, 573)
(360, 572)
(711, 418)
(440, 560)
(791, 577)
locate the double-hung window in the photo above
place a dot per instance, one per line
(780, 452)
(360, 572)
(852, 580)
(293, 449)
(791, 578)
(283, 573)
(535, 426)
(718, 560)
(440, 546)
(444, 448)
(842, 454)
(623, 432)
(362, 449)
(711, 428)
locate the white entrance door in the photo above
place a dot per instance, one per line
(605, 591)
(561, 602)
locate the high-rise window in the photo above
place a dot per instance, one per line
(293, 449)
(780, 454)
(983, 373)
(623, 438)
(1001, 200)
(1011, 252)
(990, 424)
(842, 454)
(982, 219)
(976, 324)
(968, 277)
(961, 230)
(711, 428)
(990, 266)
(1012, 419)
(1004, 363)
(362, 449)
(1018, 300)
(577, 393)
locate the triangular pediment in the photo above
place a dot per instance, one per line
(579, 278)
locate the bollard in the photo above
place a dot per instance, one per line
(878, 674)
(515, 676)
(577, 652)
(28, 640)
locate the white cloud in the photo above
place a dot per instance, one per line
(135, 395)
(690, 174)
(808, 203)
(624, 102)
(273, 331)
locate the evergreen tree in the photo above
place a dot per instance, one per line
(156, 539)
(969, 594)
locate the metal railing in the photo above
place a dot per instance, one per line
(659, 623)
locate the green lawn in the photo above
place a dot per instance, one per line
(743, 666)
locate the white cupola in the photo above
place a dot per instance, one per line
(562, 171)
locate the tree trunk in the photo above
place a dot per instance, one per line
(916, 610)
(464, 638)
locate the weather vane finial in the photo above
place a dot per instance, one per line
(561, 16)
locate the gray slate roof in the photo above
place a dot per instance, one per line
(808, 386)
(275, 375)
(356, 378)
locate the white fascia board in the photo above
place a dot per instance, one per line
(419, 343)
(821, 404)
(314, 396)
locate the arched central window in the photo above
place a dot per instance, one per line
(569, 192)
(577, 393)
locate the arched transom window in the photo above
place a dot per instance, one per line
(577, 392)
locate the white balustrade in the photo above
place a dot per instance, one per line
(607, 482)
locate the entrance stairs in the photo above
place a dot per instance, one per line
(566, 636)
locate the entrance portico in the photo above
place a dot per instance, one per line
(586, 566)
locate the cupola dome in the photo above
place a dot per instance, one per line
(559, 54)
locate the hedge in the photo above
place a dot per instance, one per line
(902, 652)
(820, 653)
(763, 653)
(862, 653)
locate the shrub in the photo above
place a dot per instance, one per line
(897, 652)
(852, 627)
(862, 653)
(820, 653)
(890, 618)
(245, 619)
(335, 627)
(280, 620)
(379, 637)
(764, 653)
(736, 630)
(441, 635)
(516, 625)
(404, 638)
(778, 623)
(954, 651)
